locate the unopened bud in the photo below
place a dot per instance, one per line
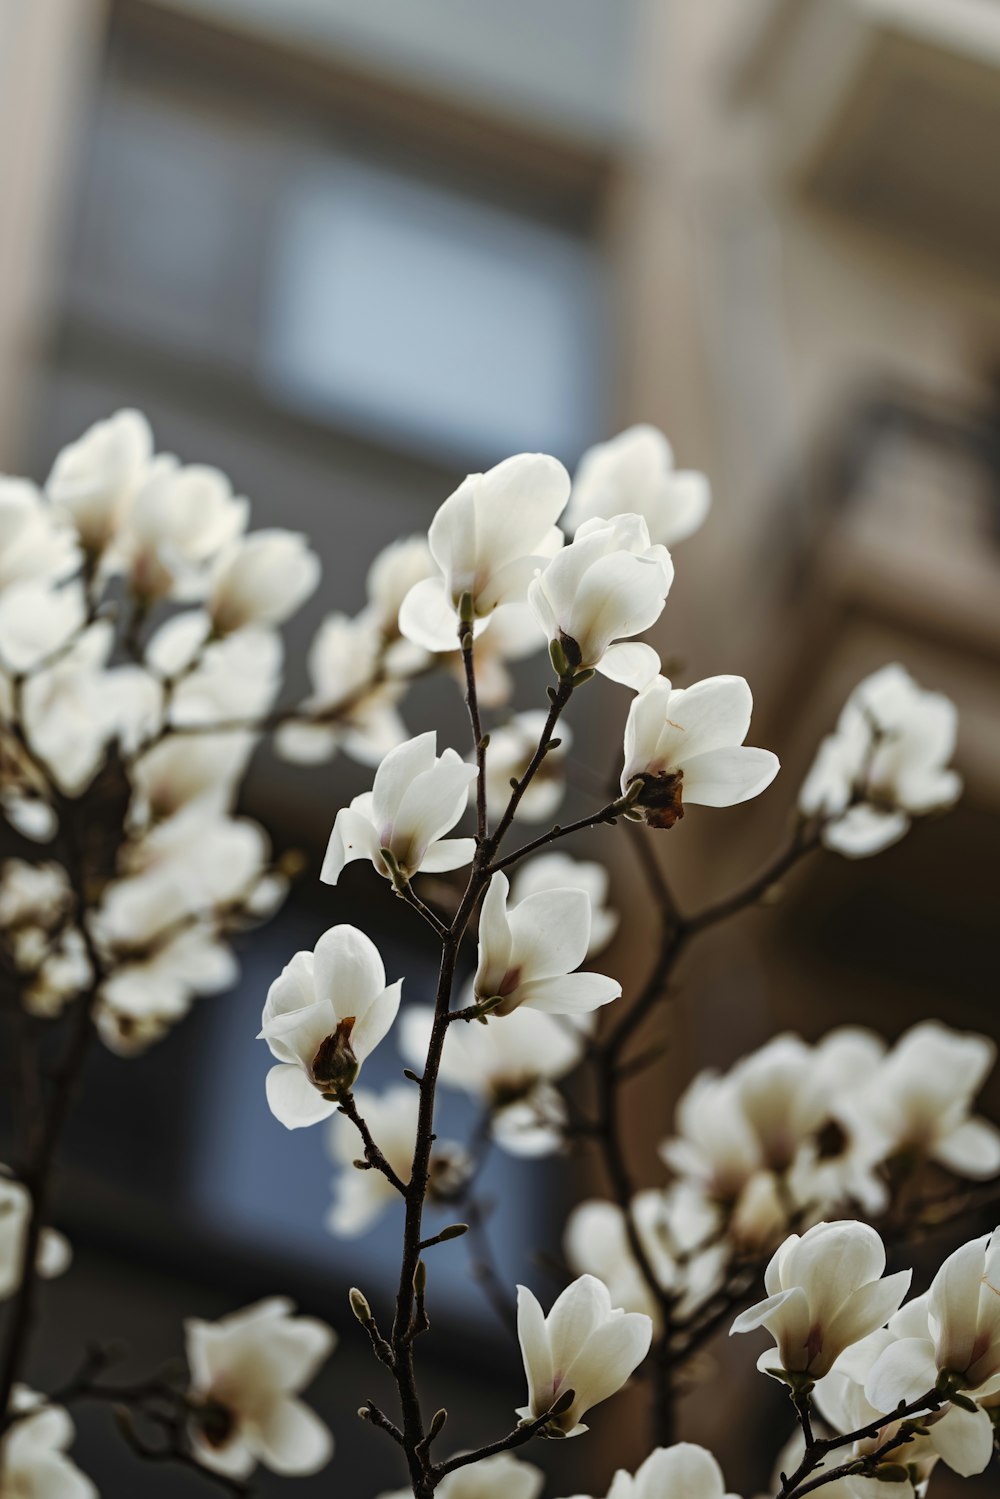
(892, 1473)
(437, 1422)
(420, 1278)
(466, 608)
(360, 1307)
(453, 1231)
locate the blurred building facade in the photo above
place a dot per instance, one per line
(348, 252)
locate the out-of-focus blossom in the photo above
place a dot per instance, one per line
(684, 1471)
(325, 1013)
(417, 796)
(178, 522)
(887, 762)
(35, 544)
(559, 871)
(54, 1253)
(261, 579)
(511, 748)
(581, 1353)
(488, 540)
(247, 1371)
(37, 621)
(635, 472)
(33, 1458)
(95, 478)
(498, 1477)
(685, 744)
(351, 705)
(825, 1291)
(609, 584)
(528, 953)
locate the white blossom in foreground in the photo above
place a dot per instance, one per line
(608, 585)
(350, 706)
(360, 1197)
(33, 1461)
(511, 747)
(825, 1291)
(919, 1100)
(559, 871)
(685, 744)
(498, 1477)
(584, 1346)
(54, 1253)
(95, 478)
(886, 763)
(261, 579)
(488, 540)
(958, 1350)
(684, 1471)
(509, 1068)
(417, 797)
(528, 953)
(679, 1233)
(635, 472)
(324, 1014)
(246, 1374)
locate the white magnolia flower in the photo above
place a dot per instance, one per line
(37, 621)
(684, 1471)
(65, 710)
(229, 681)
(417, 796)
(678, 1230)
(32, 895)
(511, 748)
(635, 472)
(178, 521)
(685, 744)
(350, 705)
(886, 763)
(324, 1014)
(528, 953)
(584, 1346)
(54, 1252)
(919, 1100)
(186, 768)
(143, 997)
(825, 1291)
(609, 584)
(246, 1374)
(957, 1338)
(498, 1477)
(95, 478)
(559, 871)
(35, 545)
(33, 1461)
(261, 579)
(488, 540)
(509, 1068)
(396, 569)
(963, 1439)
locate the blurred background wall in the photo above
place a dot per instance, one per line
(348, 252)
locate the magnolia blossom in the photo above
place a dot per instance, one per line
(635, 471)
(581, 1353)
(33, 1461)
(825, 1291)
(919, 1101)
(488, 540)
(37, 621)
(559, 871)
(609, 584)
(685, 744)
(235, 678)
(510, 1068)
(528, 953)
(350, 705)
(178, 521)
(246, 1374)
(32, 895)
(955, 1344)
(361, 1197)
(35, 544)
(886, 763)
(54, 1253)
(679, 1232)
(498, 1477)
(417, 796)
(511, 747)
(684, 1471)
(324, 1014)
(95, 478)
(261, 579)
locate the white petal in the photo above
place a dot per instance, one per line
(570, 994)
(293, 1100)
(726, 777)
(347, 970)
(428, 618)
(904, 1372)
(550, 932)
(292, 1440)
(630, 662)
